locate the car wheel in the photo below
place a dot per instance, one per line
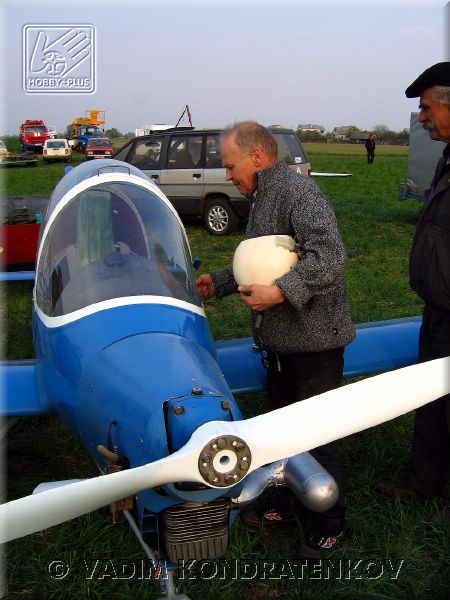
(219, 218)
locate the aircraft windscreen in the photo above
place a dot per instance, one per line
(111, 241)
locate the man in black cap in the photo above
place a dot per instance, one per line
(430, 278)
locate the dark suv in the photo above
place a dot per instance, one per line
(186, 165)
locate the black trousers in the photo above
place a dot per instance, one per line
(370, 156)
(430, 450)
(294, 377)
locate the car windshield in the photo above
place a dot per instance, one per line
(98, 142)
(36, 129)
(89, 130)
(113, 240)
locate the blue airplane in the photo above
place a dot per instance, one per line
(125, 356)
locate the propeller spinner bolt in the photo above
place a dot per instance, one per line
(178, 410)
(225, 405)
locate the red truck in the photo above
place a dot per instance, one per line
(32, 135)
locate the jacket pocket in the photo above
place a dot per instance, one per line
(430, 265)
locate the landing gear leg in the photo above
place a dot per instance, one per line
(166, 576)
(168, 588)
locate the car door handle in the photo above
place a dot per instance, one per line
(154, 177)
(196, 175)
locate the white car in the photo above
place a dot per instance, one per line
(57, 149)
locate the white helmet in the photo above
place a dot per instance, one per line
(264, 259)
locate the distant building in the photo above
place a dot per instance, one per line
(311, 128)
(359, 137)
(341, 133)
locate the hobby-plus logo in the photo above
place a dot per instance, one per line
(59, 59)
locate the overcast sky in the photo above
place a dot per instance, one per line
(287, 62)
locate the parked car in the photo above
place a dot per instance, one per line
(423, 156)
(186, 165)
(56, 149)
(98, 148)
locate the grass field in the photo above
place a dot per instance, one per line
(392, 551)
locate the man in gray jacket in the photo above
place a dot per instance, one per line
(306, 321)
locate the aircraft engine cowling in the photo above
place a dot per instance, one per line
(171, 386)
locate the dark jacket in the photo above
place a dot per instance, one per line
(315, 315)
(430, 252)
(370, 144)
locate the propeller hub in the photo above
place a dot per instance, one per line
(224, 461)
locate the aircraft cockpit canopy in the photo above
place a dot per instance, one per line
(114, 239)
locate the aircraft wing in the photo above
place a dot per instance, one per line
(317, 174)
(19, 383)
(17, 275)
(378, 346)
(240, 362)
(381, 346)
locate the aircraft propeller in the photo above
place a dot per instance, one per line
(222, 453)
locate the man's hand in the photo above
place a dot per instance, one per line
(205, 287)
(260, 297)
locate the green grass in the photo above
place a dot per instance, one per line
(39, 180)
(315, 149)
(377, 230)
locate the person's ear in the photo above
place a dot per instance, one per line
(256, 154)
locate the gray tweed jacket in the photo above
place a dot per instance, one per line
(315, 315)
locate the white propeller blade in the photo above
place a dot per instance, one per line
(352, 408)
(53, 506)
(220, 453)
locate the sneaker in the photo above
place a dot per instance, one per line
(316, 546)
(265, 516)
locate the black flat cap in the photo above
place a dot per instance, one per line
(438, 74)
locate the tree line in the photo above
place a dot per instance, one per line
(384, 135)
